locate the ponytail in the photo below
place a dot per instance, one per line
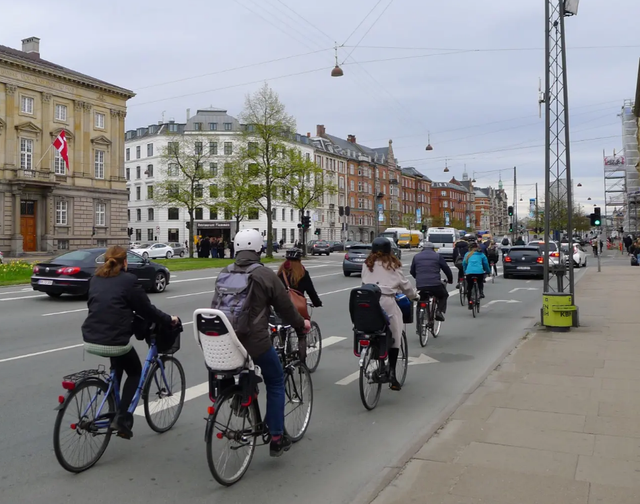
(114, 262)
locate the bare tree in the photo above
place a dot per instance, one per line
(185, 161)
(267, 135)
(239, 191)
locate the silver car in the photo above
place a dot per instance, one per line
(556, 255)
(178, 249)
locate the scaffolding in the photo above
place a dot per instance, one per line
(631, 159)
(615, 187)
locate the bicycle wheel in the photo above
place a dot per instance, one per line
(462, 292)
(435, 324)
(163, 393)
(231, 438)
(403, 360)
(298, 393)
(75, 425)
(370, 385)
(476, 298)
(314, 347)
(423, 325)
(493, 274)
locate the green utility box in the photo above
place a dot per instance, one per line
(557, 311)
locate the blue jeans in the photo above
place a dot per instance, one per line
(274, 382)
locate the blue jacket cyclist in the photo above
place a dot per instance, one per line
(475, 266)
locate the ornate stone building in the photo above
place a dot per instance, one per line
(43, 205)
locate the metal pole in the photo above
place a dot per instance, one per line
(515, 201)
(537, 209)
(547, 153)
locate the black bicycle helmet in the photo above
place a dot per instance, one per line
(294, 253)
(381, 245)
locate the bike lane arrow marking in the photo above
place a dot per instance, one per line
(422, 359)
(523, 288)
(509, 301)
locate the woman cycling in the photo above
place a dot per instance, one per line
(114, 296)
(475, 265)
(383, 269)
(294, 275)
(493, 256)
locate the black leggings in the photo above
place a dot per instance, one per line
(130, 364)
(480, 279)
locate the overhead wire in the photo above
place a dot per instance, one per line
(494, 49)
(369, 29)
(306, 21)
(360, 24)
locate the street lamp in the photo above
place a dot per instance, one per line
(571, 7)
(337, 71)
(428, 147)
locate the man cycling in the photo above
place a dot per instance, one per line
(266, 291)
(425, 268)
(459, 251)
(492, 256)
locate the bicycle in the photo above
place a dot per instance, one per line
(233, 389)
(475, 298)
(102, 391)
(427, 323)
(462, 290)
(314, 339)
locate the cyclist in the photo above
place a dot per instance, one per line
(114, 296)
(460, 249)
(475, 265)
(383, 269)
(425, 268)
(265, 291)
(297, 276)
(492, 256)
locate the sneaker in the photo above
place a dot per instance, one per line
(277, 448)
(439, 316)
(122, 424)
(482, 296)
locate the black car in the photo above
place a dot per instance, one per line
(336, 246)
(523, 261)
(70, 273)
(320, 247)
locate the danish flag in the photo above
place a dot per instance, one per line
(61, 145)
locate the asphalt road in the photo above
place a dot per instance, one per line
(344, 449)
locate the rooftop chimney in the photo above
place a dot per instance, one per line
(188, 114)
(308, 135)
(320, 131)
(351, 138)
(31, 45)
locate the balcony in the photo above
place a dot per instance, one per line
(44, 177)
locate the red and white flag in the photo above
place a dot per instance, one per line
(61, 145)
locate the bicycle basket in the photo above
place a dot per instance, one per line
(406, 307)
(168, 338)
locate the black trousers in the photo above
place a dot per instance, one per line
(441, 294)
(130, 364)
(480, 279)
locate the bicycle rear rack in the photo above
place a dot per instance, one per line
(87, 373)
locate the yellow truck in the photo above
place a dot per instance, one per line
(410, 240)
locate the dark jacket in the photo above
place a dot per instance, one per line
(304, 286)
(426, 267)
(267, 291)
(112, 302)
(460, 249)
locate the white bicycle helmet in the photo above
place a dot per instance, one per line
(248, 239)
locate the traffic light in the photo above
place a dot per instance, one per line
(317, 232)
(596, 218)
(306, 222)
(424, 228)
(511, 227)
(347, 211)
(510, 211)
(129, 231)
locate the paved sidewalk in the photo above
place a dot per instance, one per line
(558, 422)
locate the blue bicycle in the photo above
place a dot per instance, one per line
(83, 430)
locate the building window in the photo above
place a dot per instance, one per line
(61, 113)
(100, 121)
(213, 126)
(101, 214)
(352, 184)
(213, 213)
(150, 234)
(26, 154)
(61, 213)
(213, 148)
(198, 214)
(26, 105)
(138, 193)
(172, 170)
(213, 191)
(173, 190)
(228, 167)
(173, 214)
(138, 152)
(213, 169)
(149, 150)
(275, 234)
(293, 236)
(227, 126)
(283, 214)
(228, 148)
(173, 148)
(63, 244)
(149, 192)
(137, 172)
(253, 148)
(197, 190)
(59, 165)
(198, 148)
(174, 235)
(197, 126)
(138, 235)
(150, 216)
(291, 215)
(127, 154)
(98, 164)
(138, 215)
(274, 214)
(149, 171)
(128, 215)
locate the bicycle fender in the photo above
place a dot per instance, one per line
(208, 430)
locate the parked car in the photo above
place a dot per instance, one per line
(355, 257)
(349, 243)
(336, 246)
(276, 246)
(523, 260)
(154, 250)
(178, 249)
(70, 273)
(579, 254)
(320, 247)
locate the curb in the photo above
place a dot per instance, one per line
(386, 476)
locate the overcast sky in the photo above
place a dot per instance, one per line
(479, 106)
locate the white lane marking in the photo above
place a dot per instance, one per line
(21, 291)
(23, 297)
(335, 291)
(63, 312)
(18, 357)
(327, 275)
(508, 301)
(523, 288)
(528, 281)
(422, 359)
(190, 294)
(195, 279)
(203, 388)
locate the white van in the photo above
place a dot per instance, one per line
(443, 238)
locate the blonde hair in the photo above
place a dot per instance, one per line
(114, 259)
(293, 269)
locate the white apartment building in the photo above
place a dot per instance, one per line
(144, 167)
